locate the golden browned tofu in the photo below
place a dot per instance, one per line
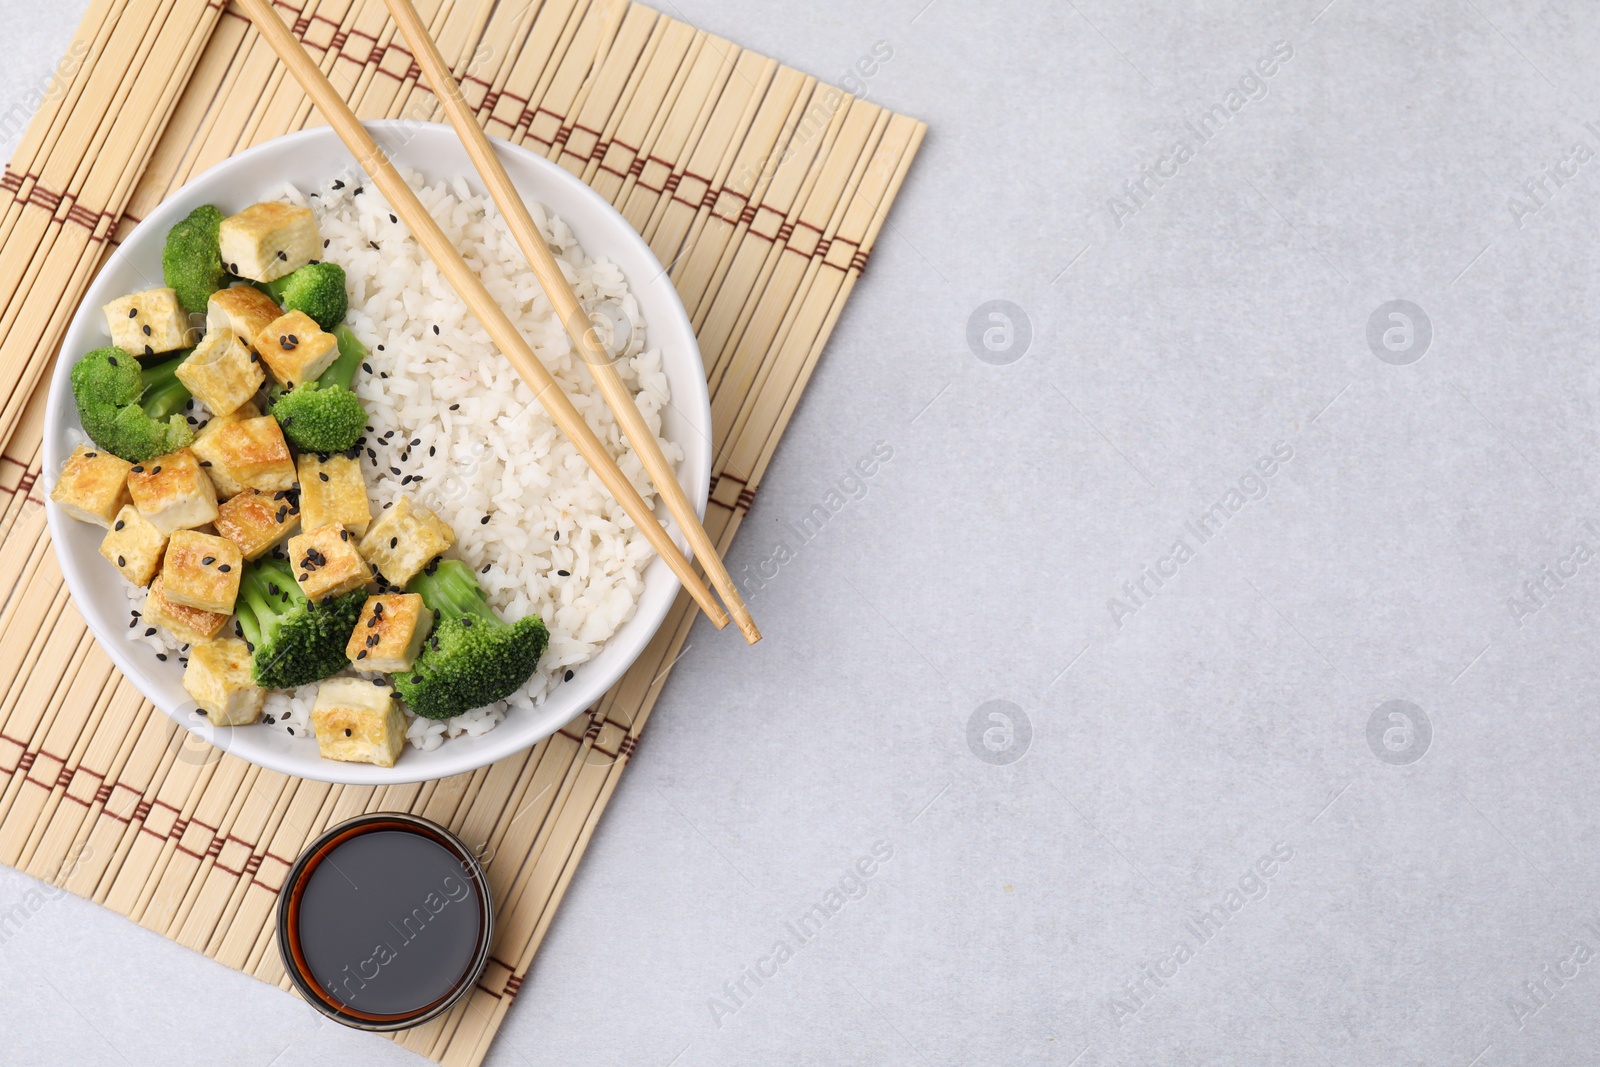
(389, 633)
(148, 322)
(186, 624)
(256, 521)
(404, 538)
(296, 349)
(252, 454)
(93, 485)
(358, 722)
(243, 311)
(333, 490)
(218, 678)
(266, 241)
(326, 563)
(221, 372)
(173, 492)
(205, 447)
(134, 546)
(202, 571)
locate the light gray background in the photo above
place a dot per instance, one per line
(1225, 718)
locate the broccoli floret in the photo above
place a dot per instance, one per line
(473, 657)
(316, 289)
(191, 261)
(294, 641)
(325, 416)
(129, 411)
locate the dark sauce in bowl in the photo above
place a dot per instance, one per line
(384, 921)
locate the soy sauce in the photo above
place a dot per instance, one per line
(384, 921)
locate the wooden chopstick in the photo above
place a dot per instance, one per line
(376, 164)
(567, 306)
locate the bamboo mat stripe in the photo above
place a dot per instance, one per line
(761, 189)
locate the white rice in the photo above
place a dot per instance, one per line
(537, 525)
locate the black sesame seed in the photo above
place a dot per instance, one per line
(393, 541)
(484, 521)
(157, 469)
(567, 677)
(225, 568)
(326, 242)
(283, 257)
(430, 450)
(358, 190)
(436, 329)
(120, 524)
(372, 641)
(372, 245)
(362, 654)
(270, 719)
(394, 470)
(558, 535)
(133, 313)
(111, 360)
(150, 632)
(466, 620)
(137, 468)
(323, 475)
(367, 367)
(149, 351)
(486, 568)
(378, 682)
(121, 562)
(291, 731)
(90, 455)
(162, 656)
(347, 731)
(371, 622)
(392, 218)
(208, 561)
(455, 407)
(380, 348)
(205, 463)
(337, 184)
(147, 329)
(565, 574)
(132, 623)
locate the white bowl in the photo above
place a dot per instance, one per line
(307, 159)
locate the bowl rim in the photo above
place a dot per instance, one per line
(669, 330)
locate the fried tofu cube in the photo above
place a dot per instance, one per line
(252, 454)
(221, 372)
(189, 625)
(256, 521)
(333, 490)
(326, 563)
(358, 722)
(205, 447)
(218, 678)
(243, 310)
(134, 546)
(93, 485)
(173, 492)
(202, 571)
(266, 241)
(389, 633)
(296, 349)
(148, 322)
(404, 539)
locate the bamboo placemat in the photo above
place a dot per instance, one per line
(761, 188)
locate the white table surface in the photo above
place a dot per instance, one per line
(1174, 742)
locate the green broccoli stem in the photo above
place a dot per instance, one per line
(163, 393)
(266, 608)
(342, 371)
(450, 588)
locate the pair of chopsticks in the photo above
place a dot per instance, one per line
(376, 164)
